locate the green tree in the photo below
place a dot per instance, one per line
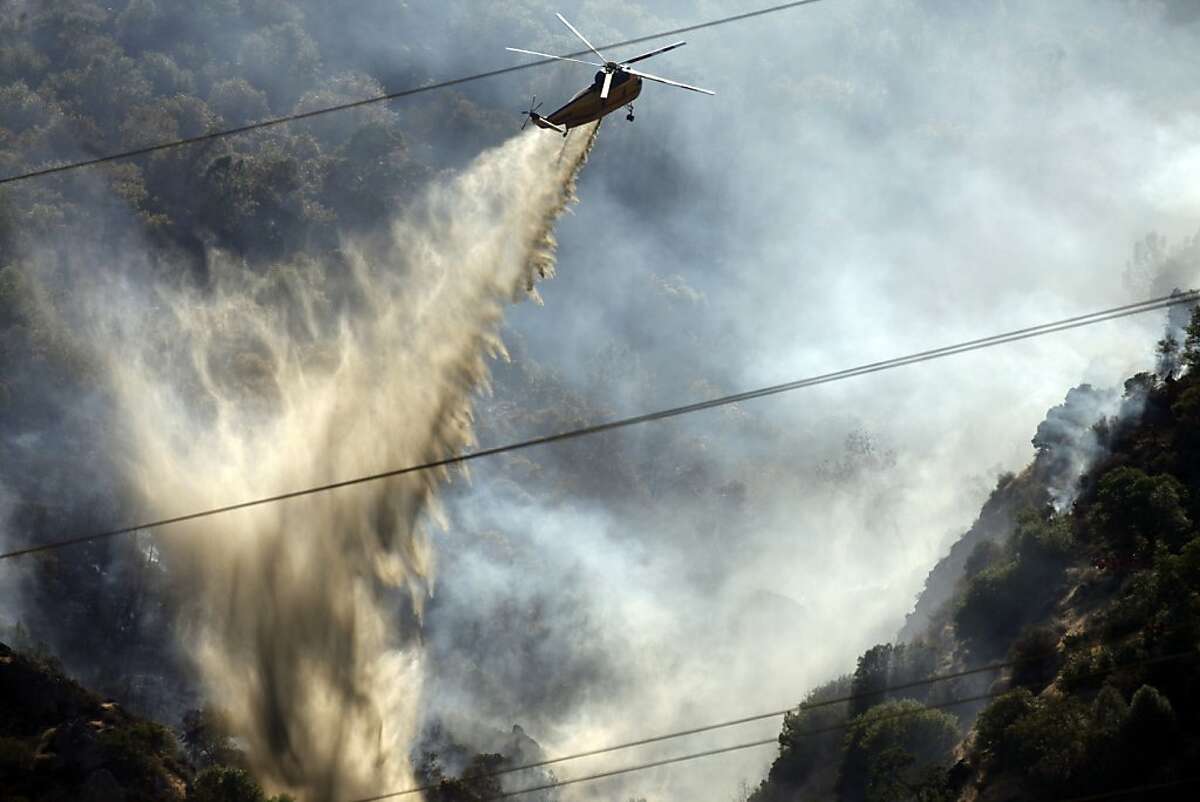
(1132, 511)
(809, 740)
(992, 738)
(885, 665)
(225, 784)
(238, 102)
(1051, 742)
(1035, 657)
(1168, 358)
(894, 745)
(1151, 726)
(985, 554)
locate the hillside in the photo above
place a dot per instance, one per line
(1093, 604)
(61, 742)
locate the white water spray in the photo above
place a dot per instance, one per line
(307, 374)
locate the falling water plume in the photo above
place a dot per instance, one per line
(300, 615)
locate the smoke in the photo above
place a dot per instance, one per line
(1067, 442)
(907, 177)
(910, 178)
(299, 616)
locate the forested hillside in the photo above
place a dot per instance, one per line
(1095, 604)
(79, 79)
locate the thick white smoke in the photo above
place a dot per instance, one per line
(308, 373)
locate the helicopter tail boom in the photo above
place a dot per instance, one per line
(542, 122)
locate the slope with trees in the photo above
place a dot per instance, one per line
(1096, 606)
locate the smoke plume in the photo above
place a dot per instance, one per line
(299, 615)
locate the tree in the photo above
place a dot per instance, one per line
(809, 740)
(984, 555)
(238, 102)
(1050, 743)
(1168, 358)
(1191, 342)
(1132, 510)
(477, 783)
(992, 738)
(1151, 726)
(205, 740)
(887, 664)
(894, 745)
(224, 784)
(1035, 654)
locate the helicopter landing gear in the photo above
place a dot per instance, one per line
(629, 116)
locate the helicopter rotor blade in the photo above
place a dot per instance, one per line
(548, 55)
(650, 77)
(608, 79)
(582, 38)
(645, 56)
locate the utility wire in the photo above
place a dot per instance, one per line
(1137, 789)
(818, 731)
(804, 707)
(1164, 302)
(275, 121)
(739, 747)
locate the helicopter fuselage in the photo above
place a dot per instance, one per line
(587, 106)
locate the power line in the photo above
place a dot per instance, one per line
(743, 746)
(803, 707)
(717, 726)
(1137, 789)
(821, 731)
(1067, 324)
(417, 90)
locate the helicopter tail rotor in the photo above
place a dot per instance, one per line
(532, 113)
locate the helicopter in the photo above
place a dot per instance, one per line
(615, 86)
